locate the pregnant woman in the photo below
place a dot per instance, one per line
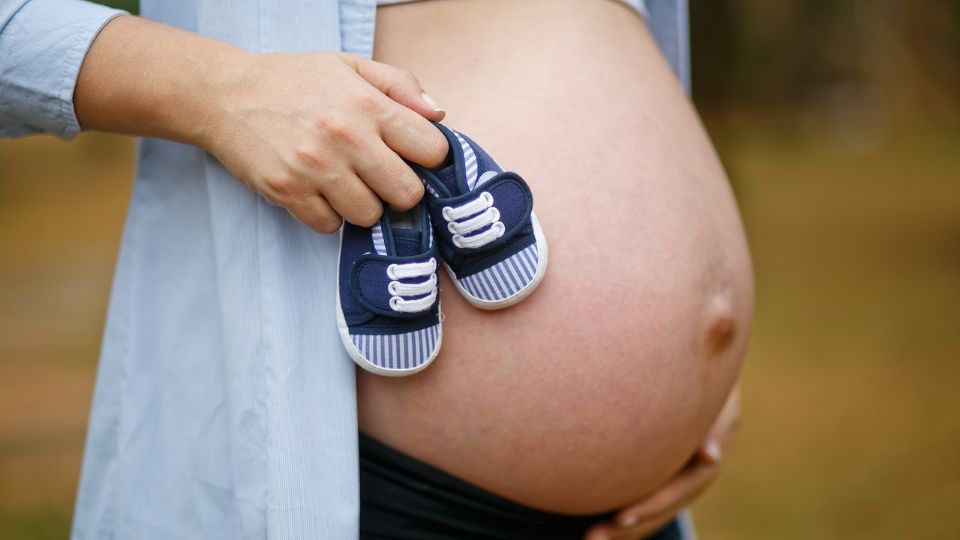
(225, 406)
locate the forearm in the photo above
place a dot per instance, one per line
(324, 134)
(149, 79)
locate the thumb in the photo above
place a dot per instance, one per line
(399, 85)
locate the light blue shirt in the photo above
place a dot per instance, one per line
(224, 404)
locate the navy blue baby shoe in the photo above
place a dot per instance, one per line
(488, 236)
(388, 306)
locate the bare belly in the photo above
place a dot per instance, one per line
(599, 386)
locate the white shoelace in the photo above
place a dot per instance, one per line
(484, 216)
(398, 289)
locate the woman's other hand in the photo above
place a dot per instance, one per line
(325, 135)
(655, 511)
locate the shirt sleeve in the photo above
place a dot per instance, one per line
(42, 46)
(670, 26)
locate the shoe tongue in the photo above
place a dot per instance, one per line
(475, 166)
(448, 176)
(408, 242)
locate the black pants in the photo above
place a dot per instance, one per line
(402, 498)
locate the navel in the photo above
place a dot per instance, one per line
(721, 324)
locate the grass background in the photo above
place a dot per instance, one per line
(844, 149)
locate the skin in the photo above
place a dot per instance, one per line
(321, 134)
(300, 129)
(600, 390)
(653, 512)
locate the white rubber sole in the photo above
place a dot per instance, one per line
(493, 305)
(355, 353)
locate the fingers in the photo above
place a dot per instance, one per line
(603, 531)
(399, 85)
(645, 528)
(729, 417)
(711, 451)
(404, 121)
(673, 496)
(356, 157)
(723, 429)
(315, 212)
(321, 194)
(357, 203)
(390, 177)
(413, 138)
(653, 513)
(636, 531)
(365, 169)
(352, 187)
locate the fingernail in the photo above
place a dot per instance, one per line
(432, 102)
(629, 521)
(712, 449)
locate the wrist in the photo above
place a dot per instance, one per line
(145, 78)
(214, 93)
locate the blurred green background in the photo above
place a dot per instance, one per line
(839, 123)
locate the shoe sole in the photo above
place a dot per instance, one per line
(355, 353)
(493, 305)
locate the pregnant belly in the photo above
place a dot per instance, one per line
(600, 385)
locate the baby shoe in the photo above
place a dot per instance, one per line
(388, 306)
(489, 238)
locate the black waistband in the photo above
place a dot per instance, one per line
(402, 498)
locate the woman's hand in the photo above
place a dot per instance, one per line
(325, 135)
(657, 510)
(322, 134)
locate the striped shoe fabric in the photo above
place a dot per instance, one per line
(489, 237)
(402, 352)
(388, 306)
(505, 279)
